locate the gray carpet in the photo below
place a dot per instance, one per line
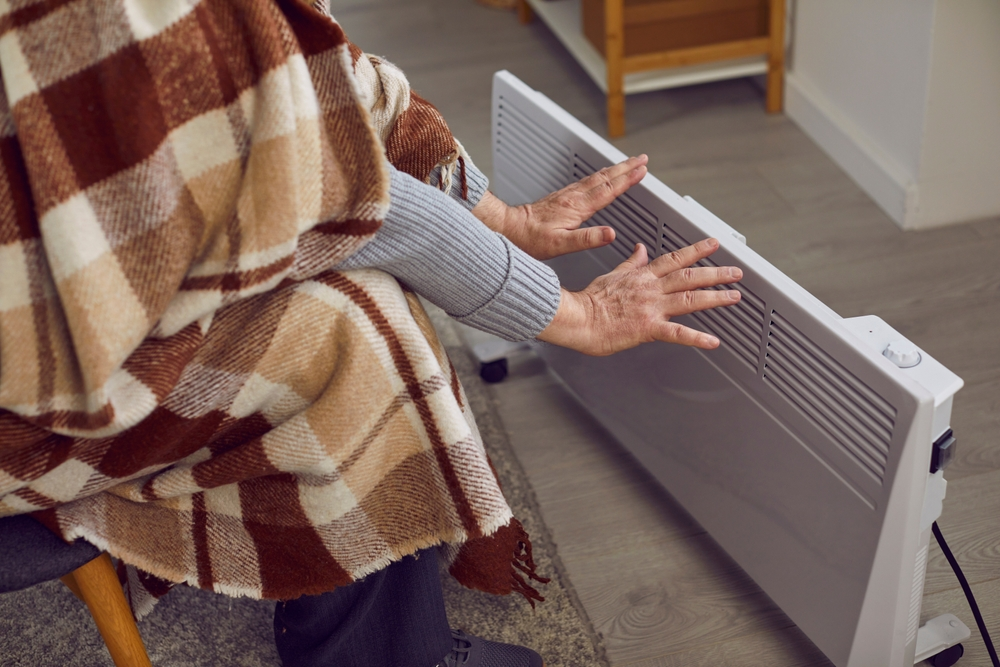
(46, 625)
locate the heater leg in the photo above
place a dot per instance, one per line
(937, 637)
(492, 357)
(494, 371)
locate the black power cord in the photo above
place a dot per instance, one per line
(968, 593)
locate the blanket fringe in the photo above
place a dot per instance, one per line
(451, 164)
(525, 562)
(465, 181)
(478, 564)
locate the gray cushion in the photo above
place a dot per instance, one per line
(30, 553)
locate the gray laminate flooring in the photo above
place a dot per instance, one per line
(654, 584)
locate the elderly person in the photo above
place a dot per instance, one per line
(214, 220)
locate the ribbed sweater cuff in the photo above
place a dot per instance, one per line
(524, 305)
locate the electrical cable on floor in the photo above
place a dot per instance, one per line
(968, 593)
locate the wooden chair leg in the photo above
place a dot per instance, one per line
(524, 12)
(97, 585)
(70, 582)
(776, 58)
(616, 114)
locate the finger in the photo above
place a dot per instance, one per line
(592, 193)
(624, 181)
(638, 260)
(587, 238)
(699, 277)
(682, 303)
(609, 187)
(671, 332)
(683, 258)
(615, 170)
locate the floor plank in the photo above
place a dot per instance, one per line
(670, 598)
(785, 646)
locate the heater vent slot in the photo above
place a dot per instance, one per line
(531, 150)
(672, 241)
(631, 221)
(916, 595)
(840, 405)
(739, 327)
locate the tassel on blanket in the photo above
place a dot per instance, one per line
(465, 181)
(480, 564)
(448, 166)
(142, 590)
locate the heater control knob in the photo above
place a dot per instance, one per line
(903, 353)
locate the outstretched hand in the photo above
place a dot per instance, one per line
(551, 226)
(634, 303)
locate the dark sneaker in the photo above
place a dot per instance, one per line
(472, 651)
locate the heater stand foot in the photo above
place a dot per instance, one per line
(492, 357)
(940, 639)
(494, 371)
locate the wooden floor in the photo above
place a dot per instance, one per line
(654, 584)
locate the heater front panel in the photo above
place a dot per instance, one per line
(783, 443)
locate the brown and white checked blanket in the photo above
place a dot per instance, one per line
(184, 382)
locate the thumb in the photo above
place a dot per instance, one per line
(589, 238)
(638, 259)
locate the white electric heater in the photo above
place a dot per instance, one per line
(803, 444)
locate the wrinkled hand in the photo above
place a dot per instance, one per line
(634, 303)
(551, 226)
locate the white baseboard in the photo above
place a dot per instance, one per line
(877, 174)
(966, 195)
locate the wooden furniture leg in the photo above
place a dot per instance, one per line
(776, 57)
(97, 585)
(70, 582)
(524, 12)
(614, 50)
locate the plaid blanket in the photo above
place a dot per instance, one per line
(184, 381)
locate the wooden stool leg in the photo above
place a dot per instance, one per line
(616, 114)
(524, 12)
(776, 58)
(97, 585)
(70, 582)
(614, 56)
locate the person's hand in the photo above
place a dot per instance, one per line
(634, 303)
(551, 226)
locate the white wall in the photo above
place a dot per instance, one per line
(905, 96)
(959, 176)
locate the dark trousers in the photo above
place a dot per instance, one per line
(392, 618)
